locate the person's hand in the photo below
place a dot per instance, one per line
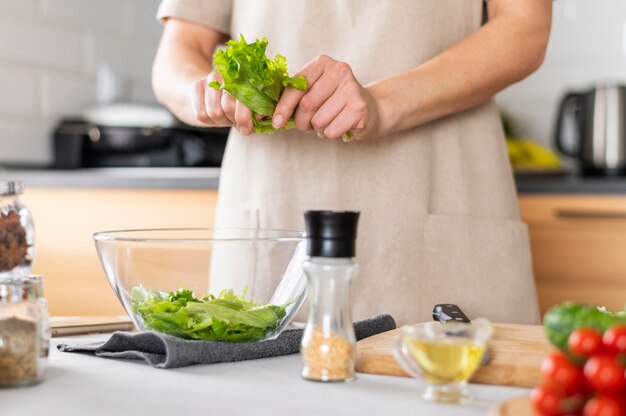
(215, 108)
(334, 103)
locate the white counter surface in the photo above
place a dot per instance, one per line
(78, 384)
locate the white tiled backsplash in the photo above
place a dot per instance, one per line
(50, 53)
(587, 46)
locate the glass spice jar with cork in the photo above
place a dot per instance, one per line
(16, 231)
(328, 343)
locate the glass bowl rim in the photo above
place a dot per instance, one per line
(479, 326)
(110, 236)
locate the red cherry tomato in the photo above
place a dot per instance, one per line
(585, 342)
(604, 406)
(573, 405)
(614, 339)
(557, 368)
(547, 400)
(604, 373)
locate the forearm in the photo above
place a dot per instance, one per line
(504, 51)
(180, 61)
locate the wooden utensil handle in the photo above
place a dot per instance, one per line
(589, 214)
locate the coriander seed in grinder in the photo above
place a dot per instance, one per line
(328, 343)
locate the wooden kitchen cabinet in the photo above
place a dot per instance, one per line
(578, 241)
(66, 218)
(579, 247)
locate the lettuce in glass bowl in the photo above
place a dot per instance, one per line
(233, 285)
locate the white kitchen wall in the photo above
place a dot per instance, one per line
(51, 51)
(50, 54)
(587, 46)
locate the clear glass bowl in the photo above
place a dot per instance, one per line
(265, 263)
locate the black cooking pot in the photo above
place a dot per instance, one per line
(78, 143)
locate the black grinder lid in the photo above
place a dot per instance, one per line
(331, 233)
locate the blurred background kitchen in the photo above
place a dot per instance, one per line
(80, 126)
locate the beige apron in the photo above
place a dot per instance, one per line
(439, 215)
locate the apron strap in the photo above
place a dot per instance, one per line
(485, 12)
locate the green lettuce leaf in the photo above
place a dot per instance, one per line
(225, 317)
(255, 80)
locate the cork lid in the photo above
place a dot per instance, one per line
(11, 188)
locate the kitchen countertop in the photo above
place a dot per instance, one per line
(77, 384)
(208, 178)
(159, 178)
(569, 184)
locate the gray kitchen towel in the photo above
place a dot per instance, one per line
(165, 351)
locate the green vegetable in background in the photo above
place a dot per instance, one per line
(227, 317)
(255, 80)
(560, 321)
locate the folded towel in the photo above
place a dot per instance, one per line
(165, 351)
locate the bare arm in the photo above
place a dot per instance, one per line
(507, 49)
(182, 71)
(504, 51)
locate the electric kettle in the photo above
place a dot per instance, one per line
(599, 119)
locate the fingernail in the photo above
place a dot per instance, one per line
(244, 131)
(277, 122)
(320, 135)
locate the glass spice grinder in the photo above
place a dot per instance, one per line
(328, 343)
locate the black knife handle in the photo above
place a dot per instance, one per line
(444, 312)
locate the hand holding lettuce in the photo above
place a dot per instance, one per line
(257, 81)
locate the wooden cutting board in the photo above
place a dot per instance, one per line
(516, 355)
(63, 326)
(518, 406)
